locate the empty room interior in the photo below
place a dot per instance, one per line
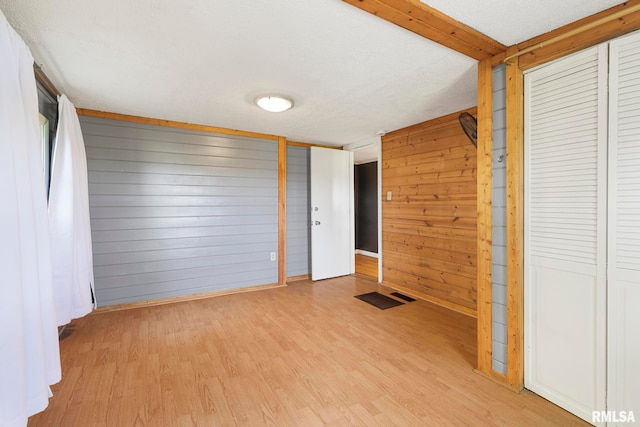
(356, 212)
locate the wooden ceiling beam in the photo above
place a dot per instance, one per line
(602, 26)
(427, 22)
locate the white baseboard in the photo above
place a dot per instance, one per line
(366, 253)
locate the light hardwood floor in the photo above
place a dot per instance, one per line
(367, 267)
(304, 355)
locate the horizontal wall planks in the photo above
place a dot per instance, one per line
(430, 224)
(177, 211)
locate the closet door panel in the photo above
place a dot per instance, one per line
(565, 231)
(624, 225)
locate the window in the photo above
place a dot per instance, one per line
(48, 108)
(46, 149)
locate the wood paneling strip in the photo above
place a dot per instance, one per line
(596, 27)
(437, 177)
(443, 302)
(432, 24)
(282, 210)
(298, 278)
(415, 257)
(308, 145)
(44, 81)
(184, 298)
(515, 223)
(173, 124)
(450, 249)
(484, 212)
(367, 267)
(434, 229)
(429, 225)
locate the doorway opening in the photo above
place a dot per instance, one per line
(366, 161)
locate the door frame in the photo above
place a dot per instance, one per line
(361, 145)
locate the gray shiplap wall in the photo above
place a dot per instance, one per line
(499, 254)
(177, 212)
(298, 215)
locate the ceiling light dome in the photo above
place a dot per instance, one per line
(274, 103)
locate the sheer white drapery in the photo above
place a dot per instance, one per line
(29, 352)
(69, 219)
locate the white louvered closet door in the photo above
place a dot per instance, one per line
(565, 231)
(624, 225)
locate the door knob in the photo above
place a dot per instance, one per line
(317, 222)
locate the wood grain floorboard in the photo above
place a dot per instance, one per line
(304, 355)
(366, 267)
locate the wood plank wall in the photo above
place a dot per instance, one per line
(429, 226)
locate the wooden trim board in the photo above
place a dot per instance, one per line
(433, 123)
(173, 124)
(172, 300)
(497, 378)
(434, 300)
(366, 267)
(419, 18)
(515, 224)
(621, 13)
(44, 80)
(298, 278)
(308, 145)
(485, 187)
(282, 211)
(588, 31)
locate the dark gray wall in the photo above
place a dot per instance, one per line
(298, 215)
(499, 233)
(177, 212)
(366, 206)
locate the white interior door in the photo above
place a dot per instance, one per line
(332, 236)
(565, 231)
(624, 226)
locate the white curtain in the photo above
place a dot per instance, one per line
(69, 219)
(29, 352)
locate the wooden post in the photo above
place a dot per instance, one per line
(484, 186)
(282, 210)
(515, 222)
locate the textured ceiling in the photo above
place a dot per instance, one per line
(201, 61)
(350, 73)
(514, 21)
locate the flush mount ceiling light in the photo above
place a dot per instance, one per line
(274, 103)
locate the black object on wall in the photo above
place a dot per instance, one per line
(366, 206)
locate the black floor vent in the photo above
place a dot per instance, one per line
(378, 300)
